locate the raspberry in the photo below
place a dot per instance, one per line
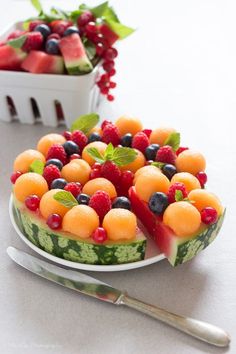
(209, 215)
(50, 173)
(80, 139)
(166, 154)
(202, 177)
(104, 123)
(14, 176)
(15, 34)
(140, 141)
(177, 186)
(57, 151)
(99, 235)
(111, 135)
(147, 132)
(101, 203)
(111, 172)
(74, 188)
(59, 26)
(181, 149)
(34, 24)
(34, 41)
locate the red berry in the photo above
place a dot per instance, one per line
(112, 72)
(209, 215)
(104, 90)
(67, 134)
(97, 166)
(50, 173)
(140, 141)
(32, 202)
(166, 154)
(111, 172)
(181, 149)
(34, 24)
(34, 41)
(202, 177)
(54, 221)
(126, 182)
(110, 97)
(99, 49)
(99, 235)
(110, 53)
(108, 65)
(91, 27)
(14, 176)
(98, 38)
(95, 173)
(53, 36)
(75, 156)
(57, 151)
(84, 18)
(80, 139)
(112, 84)
(15, 34)
(105, 122)
(101, 203)
(59, 26)
(111, 135)
(147, 132)
(177, 186)
(74, 188)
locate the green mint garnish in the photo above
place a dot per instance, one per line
(178, 195)
(121, 30)
(100, 10)
(158, 164)
(65, 198)
(17, 42)
(95, 154)
(37, 166)
(85, 123)
(37, 5)
(173, 140)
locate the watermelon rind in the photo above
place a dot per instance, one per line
(78, 67)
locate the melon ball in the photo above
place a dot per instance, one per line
(190, 161)
(99, 145)
(149, 183)
(146, 169)
(127, 124)
(48, 140)
(160, 135)
(100, 184)
(203, 199)
(28, 184)
(120, 224)
(48, 205)
(77, 170)
(25, 159)
(191, 182)
(136, 164)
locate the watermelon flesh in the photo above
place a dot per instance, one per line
(38, 62)
(75, 57)
(177, 249)
(11, 58)
(110, 36)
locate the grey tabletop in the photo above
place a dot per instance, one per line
(179, 70)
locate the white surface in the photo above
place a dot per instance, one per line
(178, 69)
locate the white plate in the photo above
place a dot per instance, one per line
(153, 255)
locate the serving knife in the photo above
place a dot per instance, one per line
(87, 285)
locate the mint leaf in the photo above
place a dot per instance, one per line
(37, 5)
(121, 30)
(178, 195)
(99, 10)
(95, 154)
(123, 156)
(65, 198)
(37, 166)
(158, 164)
(109, 152)
(173, 140)
(17, 42)
(111, 15)
(85, 123)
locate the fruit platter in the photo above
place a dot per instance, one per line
(75, 50)
(101, 195)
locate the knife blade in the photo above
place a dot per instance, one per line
(87, 285)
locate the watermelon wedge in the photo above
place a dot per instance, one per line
(110, 36)
(177, 249)
(38, 62)
(11, 58)
(75, 57)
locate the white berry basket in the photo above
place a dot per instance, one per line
(50, 99)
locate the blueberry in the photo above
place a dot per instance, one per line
(83, 199)
(158, 202)
(52, 47)
(71, 30)
(126, 140)
(43, 29)
(169, 170)
(121, 202)
(58, 183)
(94, 137)
(55, 162)
(151, 151)
(71, 147)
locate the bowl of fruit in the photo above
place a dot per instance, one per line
(57, 65)
(113, 197)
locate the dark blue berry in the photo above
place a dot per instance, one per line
(52, 47)
(121, 202)
(83, 199)
(55, 162)
(58, 183)
(158, 202)
(43, 29)
(126, 140)
(151, 151)
(169, 170)
(71, 147)
(94, 137)
(71, 30)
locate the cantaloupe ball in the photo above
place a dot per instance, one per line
(120, 224)
(160, 135)
(77, 170)
(81, 221)
(127, 124)
(28, 184)
(48, 205)
(98, 184)
(149, 183)
(190, 161)
(48, 140)
(24, 160)
(99, 145)
(183, 218)
(136, 164)
(146, 169)
(202, 199)
(191, 182)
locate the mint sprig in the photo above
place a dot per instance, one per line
(17, 42)
(158, 164)
(65, 198)
(173, 140)
(37, 166)
(85, 123)
(37, 5)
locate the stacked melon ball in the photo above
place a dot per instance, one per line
(169, 178)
